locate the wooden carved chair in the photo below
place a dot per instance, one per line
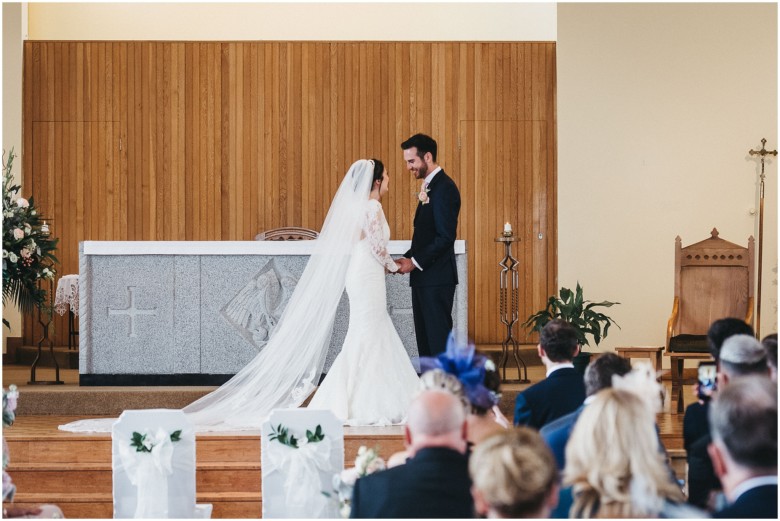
(288, 233)
(713, 279)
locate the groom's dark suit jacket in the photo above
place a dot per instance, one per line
(433, 242)
(434, 483)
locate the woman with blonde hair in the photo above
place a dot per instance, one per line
(614, 463)
(514, 476)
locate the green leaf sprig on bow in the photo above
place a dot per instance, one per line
(142, 443)
(282, 434)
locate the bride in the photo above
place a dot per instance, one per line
(372, 380)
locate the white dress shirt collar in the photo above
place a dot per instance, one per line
(751, 483)
(554, 366)
(429, 177)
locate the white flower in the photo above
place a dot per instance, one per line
(22, 203)
(18, 233)
(27, 229)
(349, 476)
(33, 212)
(12, 257)
(25, 253)
(489, 365)
(8, 214)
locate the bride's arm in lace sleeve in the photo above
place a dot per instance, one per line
(374, 230)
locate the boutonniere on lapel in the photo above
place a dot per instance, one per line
(423, 195)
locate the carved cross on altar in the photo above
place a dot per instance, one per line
(131, 311)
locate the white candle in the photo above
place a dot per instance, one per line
(45, 228)
(507, 228)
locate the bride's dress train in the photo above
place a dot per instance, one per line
(285, 372)
(372, 380)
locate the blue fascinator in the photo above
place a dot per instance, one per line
(461, 360)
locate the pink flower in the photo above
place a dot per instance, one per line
(25, 253)
(22, 202)
(423, 196)
(18, 233)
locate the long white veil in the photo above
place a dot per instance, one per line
(286, 371)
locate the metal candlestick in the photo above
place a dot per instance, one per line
(509, 307)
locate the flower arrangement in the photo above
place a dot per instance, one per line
(27, 248)
(9, 414)
(146, 442)
(461, 360)
(367, 462)
(9, 405)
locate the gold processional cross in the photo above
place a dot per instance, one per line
(763, 153)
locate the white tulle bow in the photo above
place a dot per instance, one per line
(301, 467)
(149, 472)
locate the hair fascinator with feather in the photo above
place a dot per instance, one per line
(461, 360)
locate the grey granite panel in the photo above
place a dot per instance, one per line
(131, 312)
(242, 298)
(206, 314)
(186, 314)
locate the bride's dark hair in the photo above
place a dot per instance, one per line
(379, 168)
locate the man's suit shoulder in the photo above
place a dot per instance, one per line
(566, 377)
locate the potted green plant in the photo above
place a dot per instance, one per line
(573, 308)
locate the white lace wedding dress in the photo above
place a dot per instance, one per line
(372, 380)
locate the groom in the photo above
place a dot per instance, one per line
(431, 260)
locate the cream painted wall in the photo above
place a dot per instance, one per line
(658, 105)
(12, 115)
(292, 21)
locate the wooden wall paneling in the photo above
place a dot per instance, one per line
(223, 140)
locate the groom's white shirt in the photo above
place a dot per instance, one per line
(427, 181)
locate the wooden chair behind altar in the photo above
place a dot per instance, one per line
(713, 279)
(287, 233)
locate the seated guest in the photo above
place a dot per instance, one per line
(722, 329)
(743, 422)
(435, 379)
(701, 478)
(613, 463)
(434, 482)
(481, 384)
(770, 344)
(9, 489)
(563, 390)
(514, 476)
(598, 376)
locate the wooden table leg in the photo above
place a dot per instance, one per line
(678, 365)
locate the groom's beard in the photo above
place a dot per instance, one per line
(422, 172)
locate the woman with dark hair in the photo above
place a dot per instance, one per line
(372, 381)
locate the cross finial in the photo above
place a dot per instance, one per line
(763, 153)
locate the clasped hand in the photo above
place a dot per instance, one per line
(404, 265)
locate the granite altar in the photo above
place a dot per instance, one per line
(194, 313)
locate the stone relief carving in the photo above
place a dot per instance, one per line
(256, 309)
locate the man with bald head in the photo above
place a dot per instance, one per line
(434, 482)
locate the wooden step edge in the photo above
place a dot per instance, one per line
(105, 497)
(92, 465)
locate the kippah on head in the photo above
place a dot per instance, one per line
(742, 350)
